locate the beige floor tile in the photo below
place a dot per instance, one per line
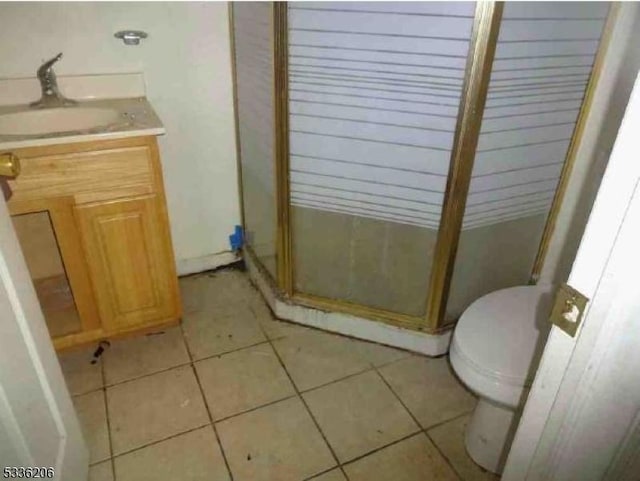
(414, 459)
(449, 437)
(130, 358)
(193, 456)
(81, 376)
(314, 358)
(429, 389)
(208, 334)
(190, 293)
(359, 414)
(215, 290)
(243, 380)
(277, 329)
(377, 354)
(154, 407)
(260, 308)
(93, 420)
(333, 475)
(101, 472)
(277, 442)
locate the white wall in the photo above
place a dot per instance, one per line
(187, 66)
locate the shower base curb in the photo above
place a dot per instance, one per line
(349, 325)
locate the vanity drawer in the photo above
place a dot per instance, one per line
(88, 176)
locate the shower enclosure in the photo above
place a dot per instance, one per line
(399, 160)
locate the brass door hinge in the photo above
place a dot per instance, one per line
(568, 309)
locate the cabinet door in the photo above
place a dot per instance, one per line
(128, 250)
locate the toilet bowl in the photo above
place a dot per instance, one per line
(495, 351)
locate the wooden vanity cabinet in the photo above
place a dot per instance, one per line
(106, 205)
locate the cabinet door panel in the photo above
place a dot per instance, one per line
(129, 255)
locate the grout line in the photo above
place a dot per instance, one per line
(423, 430)
(111, 460)
(192, 363)
(224, 353)
(78, 394)
(409, 356)
(149, 374)
(157, 441)
(373, 367)
(322, 473)
(270, 341)
(444, 456)
(335, 457)
(182, 364)
(299, 393)
(415, 420)
(440, 423)
(349, 376)
(206, 406)
(419, 430)
(270, 403)
(380, 448)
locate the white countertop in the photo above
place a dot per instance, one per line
(138, 119)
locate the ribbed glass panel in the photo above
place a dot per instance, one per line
(374, 91)
(374, 94)
(544, 58)
(253, 36)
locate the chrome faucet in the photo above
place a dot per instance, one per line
(51, 96)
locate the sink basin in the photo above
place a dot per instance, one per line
(49, 121)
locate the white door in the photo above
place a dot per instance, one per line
(38, 425)
(582, 417)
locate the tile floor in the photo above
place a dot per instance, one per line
(233, 394)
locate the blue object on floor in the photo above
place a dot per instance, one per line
(237, 238)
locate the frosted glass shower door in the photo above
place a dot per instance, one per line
(374, 92)
(253, 50)
(544, 58)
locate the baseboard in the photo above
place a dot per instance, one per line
(194, 265)
(358, 327)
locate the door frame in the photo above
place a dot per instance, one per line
(545, 444)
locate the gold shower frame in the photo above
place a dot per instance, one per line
(484, 39)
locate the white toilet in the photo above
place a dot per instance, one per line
(495, 351)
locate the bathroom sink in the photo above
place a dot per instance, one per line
(54, 120)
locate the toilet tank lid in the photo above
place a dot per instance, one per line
(503, 333)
